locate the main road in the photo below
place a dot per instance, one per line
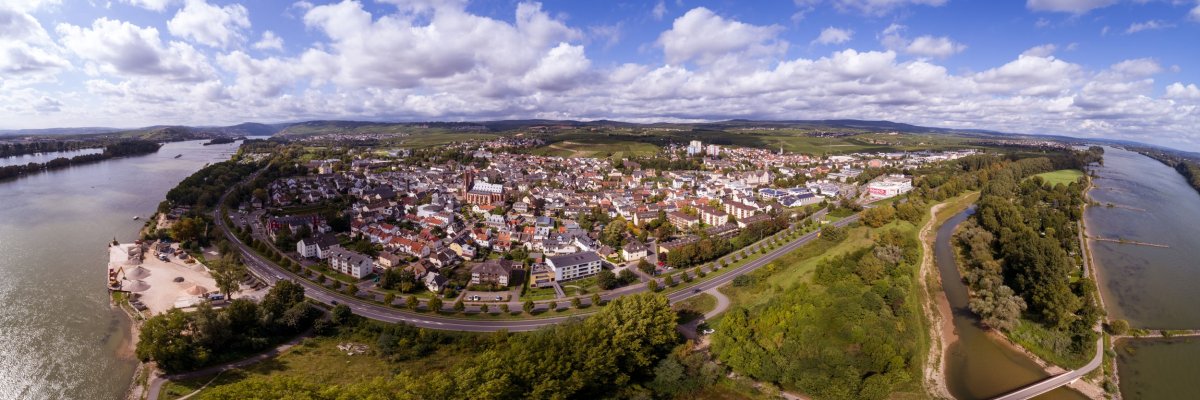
(270, 272)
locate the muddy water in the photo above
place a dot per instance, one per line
(978, 366)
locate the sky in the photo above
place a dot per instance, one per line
(1121, 69)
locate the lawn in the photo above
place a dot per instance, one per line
(536, 294)
(695, 307)
(1063, 176)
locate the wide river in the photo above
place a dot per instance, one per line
(59, 338)
(1151, 287)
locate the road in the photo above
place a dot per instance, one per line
(271, 273)
(1057, 381)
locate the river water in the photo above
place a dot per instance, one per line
(979, 366)
(59, 338)
(44, 157)
(1151, 287)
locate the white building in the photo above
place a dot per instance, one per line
(350, 263)
(695, 147)
(574, 266)
(889, 186)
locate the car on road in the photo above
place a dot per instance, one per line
(333, 302)
(498, 298)
(708, 331)
(696, 290)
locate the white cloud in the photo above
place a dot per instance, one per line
(659, 11)
(454, 50)
(26, 50)
(121, 48)
(893, 38)
(1183, 92)
(269, 41)
(609, 35)
(1137, 68)
(1195, 14)
(210, 25)
(1147, 26)
(881, 7)
(1030, 76)
(833, 35)
(1044, 50)
(930, 46)
(152, 5)
(1068, 6)
(704, 37)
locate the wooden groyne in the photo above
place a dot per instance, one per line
(1134, 242)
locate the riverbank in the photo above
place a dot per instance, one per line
(937, 307)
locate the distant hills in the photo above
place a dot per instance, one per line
(168, 133)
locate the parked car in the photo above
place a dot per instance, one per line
(708, 331)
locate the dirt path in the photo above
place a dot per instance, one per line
(941, 328)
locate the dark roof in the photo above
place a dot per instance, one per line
(493, 267)
(582, 257)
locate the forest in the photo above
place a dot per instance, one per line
(850, 334)
(119, 149)
(47, 146)
(1020, 252)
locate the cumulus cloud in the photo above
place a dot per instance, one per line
(1147, 26)
(930, 46)
(833, 35)
(1031, 76)
(1068, 6)
(705, 37)
(269, 41)
(210, 25)
(153, 5)
(1044, 50)
(454, 49)
(25, 47)
(119, 47)
(893, 38)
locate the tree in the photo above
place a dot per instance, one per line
(411, 302)
(459, 306)
(504, 308)
(389, 298)
(483, 308)
(652, 285)
(528, 306)
(595, 299)
(626, 277)
(554, 306)
(228, 274)
(607, 280)
(575, 302)
(341, 314)
(435, 304)
(645, 266)
(669, 280)
(1118, 327)
(160, 340)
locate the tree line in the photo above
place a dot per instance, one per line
(19, 149)
(180, 341)
(620, 352)
(709, 248)
(119, 149)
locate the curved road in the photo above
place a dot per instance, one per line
(271, 273)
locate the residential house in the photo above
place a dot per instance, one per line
(350, 263)
(574, 266)
(494, 271)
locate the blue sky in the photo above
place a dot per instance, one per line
(1091, 68)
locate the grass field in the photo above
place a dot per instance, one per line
(695, 307)
(1063, 176)
(319, 360)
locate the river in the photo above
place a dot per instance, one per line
(44, 157)
(59, 338)
(1151, 287)
(979, 366)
